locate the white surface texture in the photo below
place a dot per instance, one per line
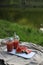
(24, 55)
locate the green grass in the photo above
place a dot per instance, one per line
(26, 33)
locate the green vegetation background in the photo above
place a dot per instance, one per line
(25, 22)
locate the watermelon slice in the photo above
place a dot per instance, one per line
(28, 51)
(22, 49)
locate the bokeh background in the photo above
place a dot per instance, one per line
(25, 17)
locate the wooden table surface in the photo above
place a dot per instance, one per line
(37, 59)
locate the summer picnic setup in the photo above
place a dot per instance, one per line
(14, 46)
(12, 49)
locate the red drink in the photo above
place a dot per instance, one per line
(9, 46)
(15, 43)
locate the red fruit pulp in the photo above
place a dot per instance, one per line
(21, 49)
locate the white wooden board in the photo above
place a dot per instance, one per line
(24, 55)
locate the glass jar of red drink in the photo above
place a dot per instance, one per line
(15, 43)
(9, 46)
